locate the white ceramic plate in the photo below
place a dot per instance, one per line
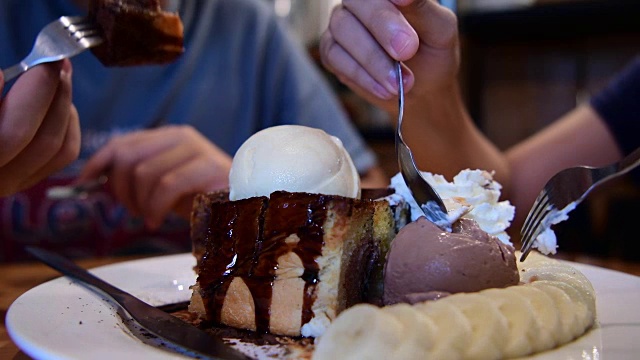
(62, 319)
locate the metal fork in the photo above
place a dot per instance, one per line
(426, 197)
(76, 191)
(564, 191)
(62, 38)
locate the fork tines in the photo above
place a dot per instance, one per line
(564, 191)
(82, 29)
(534, 222)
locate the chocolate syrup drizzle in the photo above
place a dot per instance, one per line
(246, 240)
(225, 256)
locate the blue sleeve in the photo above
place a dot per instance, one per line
(619, 105)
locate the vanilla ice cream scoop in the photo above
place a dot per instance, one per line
(292, 158)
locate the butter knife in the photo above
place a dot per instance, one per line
(156, 321)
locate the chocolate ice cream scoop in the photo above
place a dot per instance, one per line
(426, 263)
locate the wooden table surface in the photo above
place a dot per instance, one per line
(16, 279)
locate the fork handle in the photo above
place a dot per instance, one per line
(630, 161)
(12, 72)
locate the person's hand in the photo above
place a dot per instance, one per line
(39, 127)
(364, 37)
(154, 172)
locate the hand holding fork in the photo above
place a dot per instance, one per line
(63, 38)
(41, 132)
(564, 191)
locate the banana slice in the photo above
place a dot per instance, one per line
(489, 328)
(418, 335)
(365, 332)
(453, 330)
(519, 313)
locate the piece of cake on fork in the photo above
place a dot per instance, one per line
(136, 32)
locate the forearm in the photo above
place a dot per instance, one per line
(374, 178)
(445, 140)
(578, 138)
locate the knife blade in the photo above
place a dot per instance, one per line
(155, 321)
